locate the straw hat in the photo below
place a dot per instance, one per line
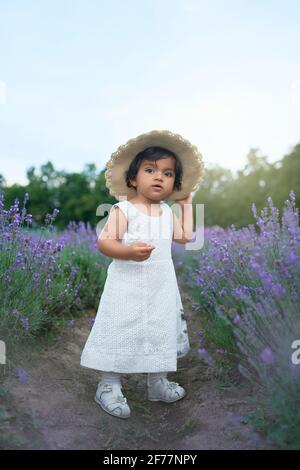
(189, 155)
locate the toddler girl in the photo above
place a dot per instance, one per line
(140, 325)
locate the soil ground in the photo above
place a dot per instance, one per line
(55, 408)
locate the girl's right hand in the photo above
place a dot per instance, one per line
(140, 251)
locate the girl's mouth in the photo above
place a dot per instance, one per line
(157, 186)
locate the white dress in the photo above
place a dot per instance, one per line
(140, 324)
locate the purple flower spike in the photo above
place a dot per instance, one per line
(236, 319)
(21, 374)
(278, 290)
(25, 323)
(267, 356)
(202, 352)
(234, 419)
(223, 292)
(200, 338)
(204, 355)
(291, 258)
(26, 198)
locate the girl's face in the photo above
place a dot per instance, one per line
(161, 173)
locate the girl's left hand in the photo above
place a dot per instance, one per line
(187, 200)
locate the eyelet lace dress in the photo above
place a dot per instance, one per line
(140, 325)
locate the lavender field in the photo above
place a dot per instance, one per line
(47, 278)
(245, 286)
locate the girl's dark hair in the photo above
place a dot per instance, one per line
(153, 154)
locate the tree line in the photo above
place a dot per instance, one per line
(227, 197)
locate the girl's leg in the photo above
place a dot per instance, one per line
(152, 377)
(109, 395)
(161, 389)
(111, 377)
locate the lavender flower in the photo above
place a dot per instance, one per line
(25, 323)
(205, 356)
(21, 374)
(278, 290)
(234, 419)
(267, 356)
(291, 258)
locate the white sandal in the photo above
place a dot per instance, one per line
(111, 400)
(163, 390)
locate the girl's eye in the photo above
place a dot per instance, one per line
(167, 173)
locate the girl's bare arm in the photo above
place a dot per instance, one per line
(109, 240)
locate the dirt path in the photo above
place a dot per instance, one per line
(55, 409)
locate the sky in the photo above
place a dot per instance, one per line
(80, 78)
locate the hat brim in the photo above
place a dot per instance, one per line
(189, 155)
